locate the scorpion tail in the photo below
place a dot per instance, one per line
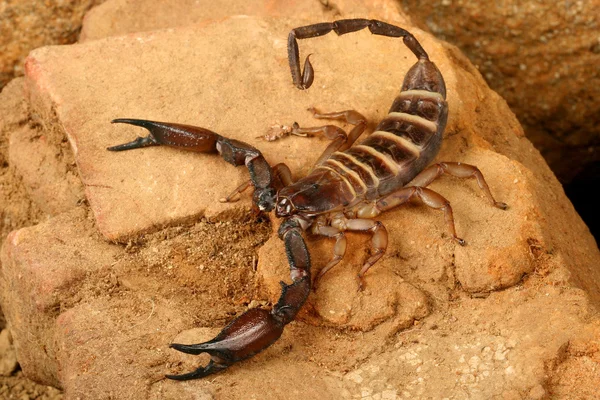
(257, 329)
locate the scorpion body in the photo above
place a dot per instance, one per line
(348, 187)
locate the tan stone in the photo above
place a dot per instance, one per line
(8, 357)
(42, 267)
(120, 17)
(16, 208)
(27, 24)
(419, 332)
(45, 166)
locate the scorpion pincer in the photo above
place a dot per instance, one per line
(348, 186)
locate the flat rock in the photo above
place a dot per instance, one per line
(131, 198)
(345, 344)
(120, 17)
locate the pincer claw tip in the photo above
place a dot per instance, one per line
(210, 369)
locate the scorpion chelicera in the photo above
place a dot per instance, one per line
(348, 186)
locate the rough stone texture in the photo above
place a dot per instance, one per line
(111, 328)
(18, 386)
(578, 362)
(119, 17)
(44, 162)
(8, 356)
(39, 270)
(486, 351)
(27, 24)
(16, 208)
(542, 57)
(100, 315)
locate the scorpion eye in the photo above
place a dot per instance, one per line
(284, 207)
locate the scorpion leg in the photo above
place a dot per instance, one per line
(257, 329)
(304, 79)
(427, 196)
(202, 140)
(235, 195)
(339, 224)
(459, 170)
(340, 140)
(339, 248)
(283, 173)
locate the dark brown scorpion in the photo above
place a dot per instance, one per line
(348, 186)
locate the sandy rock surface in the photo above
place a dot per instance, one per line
(27, 24)
(8, 356)
(119, 17)
(432, 322)
(18, 209)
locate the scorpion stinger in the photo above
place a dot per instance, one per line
(349, 185)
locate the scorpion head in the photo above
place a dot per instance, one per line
(318, 193)
(297, 198)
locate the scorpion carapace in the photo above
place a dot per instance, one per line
(348, 186)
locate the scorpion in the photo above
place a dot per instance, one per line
(348, 186)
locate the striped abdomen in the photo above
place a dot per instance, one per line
(402, 145)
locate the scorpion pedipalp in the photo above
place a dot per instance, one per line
(245, 336)
(193, 138)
